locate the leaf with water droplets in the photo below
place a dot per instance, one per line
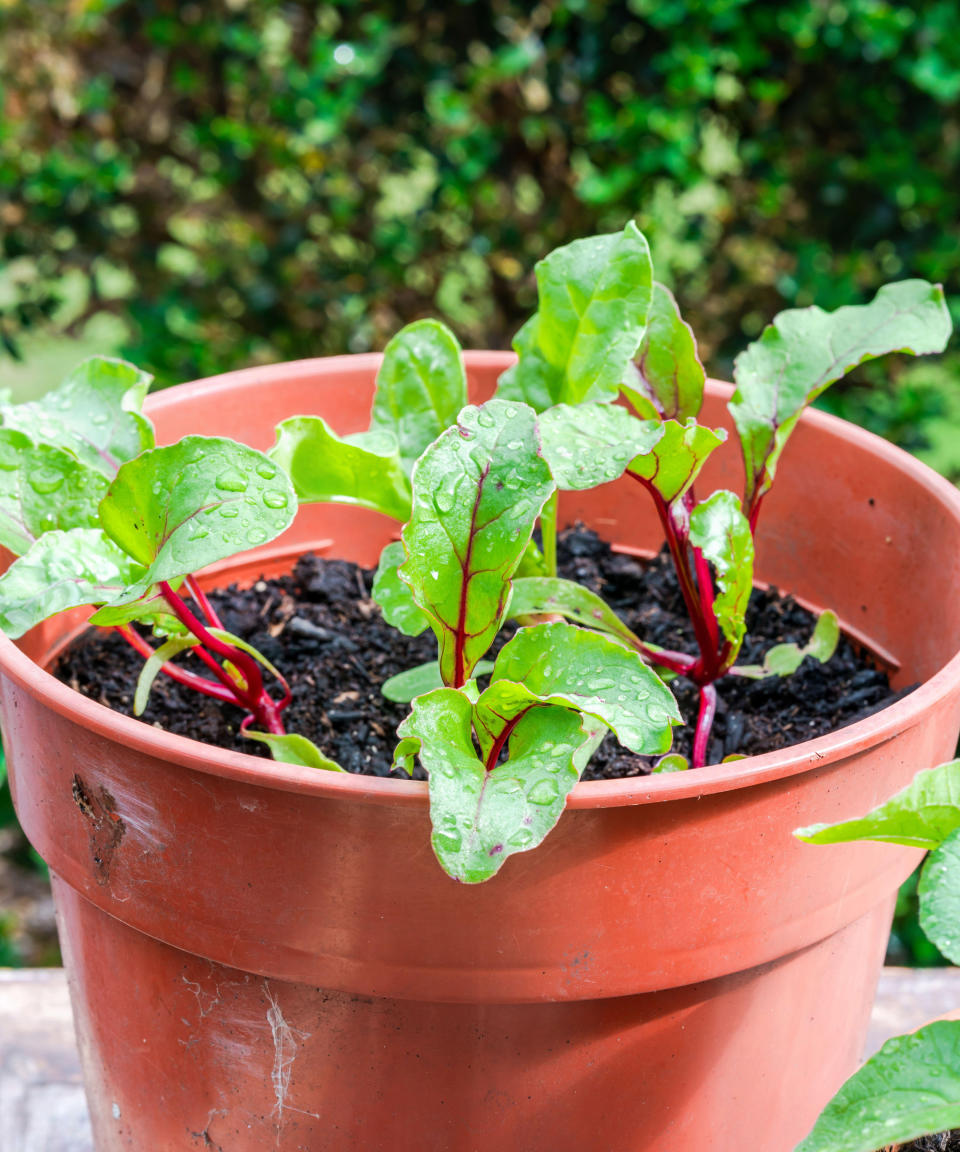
(43, 489)
(477, 492)
(394, 597)
(805, 350)
(421, 387)
(922, 815)
(595, 296)
(94, 414)
(292, 748)
(167, 507)
(563, 665)
(910, 1088)
(481, 817)
(666, 381)
(674, 462)
(363, 469)
(939, 896)
(63, 569)
(591, 444)
(722, 533)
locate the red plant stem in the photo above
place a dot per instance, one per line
(251, 695)
(181, 675)
(704, 670)
(504, 736)
(678, 662)
(201, 598)
(754, 514)
(701, 737)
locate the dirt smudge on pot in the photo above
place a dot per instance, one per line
(107, 828)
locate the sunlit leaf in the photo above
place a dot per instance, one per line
(666, 381)
(394, 597)
(291, 748)
(591, 444)
(674, 463)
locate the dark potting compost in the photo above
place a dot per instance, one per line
(320, 627)
(942, 1142)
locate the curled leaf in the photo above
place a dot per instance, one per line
(666, 381)
(722, 533)
(153, 665)
(673, 464)
(421, 387)
(594, 298)
(406, 686)
(291, 748)
(545, 595)
(365, 469)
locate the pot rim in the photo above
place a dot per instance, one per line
(248, 769)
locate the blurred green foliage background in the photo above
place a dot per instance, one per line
(205, 185)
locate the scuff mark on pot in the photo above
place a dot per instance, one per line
(286, 1044)
(107, 828)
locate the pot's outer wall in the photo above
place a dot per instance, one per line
(264, 956)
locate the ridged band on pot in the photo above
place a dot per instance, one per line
(646, 883)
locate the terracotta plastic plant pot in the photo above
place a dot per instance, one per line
(268, 957)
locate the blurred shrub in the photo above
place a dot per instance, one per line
(251, 180)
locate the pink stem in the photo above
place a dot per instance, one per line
(201, 598)
(701, 737)
(181, 675)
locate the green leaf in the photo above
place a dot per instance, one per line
(922, 815)
(674, 463)
(532, 562)
(364, 469)
(394, 597)
(560, 664)
(153, 665)
(477, 492)
(540, 595)
(595, 296)
(480, 818)
(421, 387)
(910, 1088)
(43, 488)
(805, 350)
(591, 444)
(406, 686)
(722, 533)
(785, 659)
(95, 414)
(63, 569)
(290, 748)
(672, 762)
(178, 508)
(939, 894)
(666, 382)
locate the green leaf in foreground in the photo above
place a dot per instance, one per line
(421, 387)
(481, 818)
(591, 444)
(722, 533)
(674, 463)
(543, 595)
(910, 1088)
(293, 749)
(177, 508)
(364, 469)
(805, 350)
(43, 488)
(63, 569)
(560, 664)
(594, 298)
(405, 686)
(477, 492)
(666, 381)
(939, 894)
(922, 815)
(394, 597)
(95, 414)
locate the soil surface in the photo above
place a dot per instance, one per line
(322, 629)
(942, 1142)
